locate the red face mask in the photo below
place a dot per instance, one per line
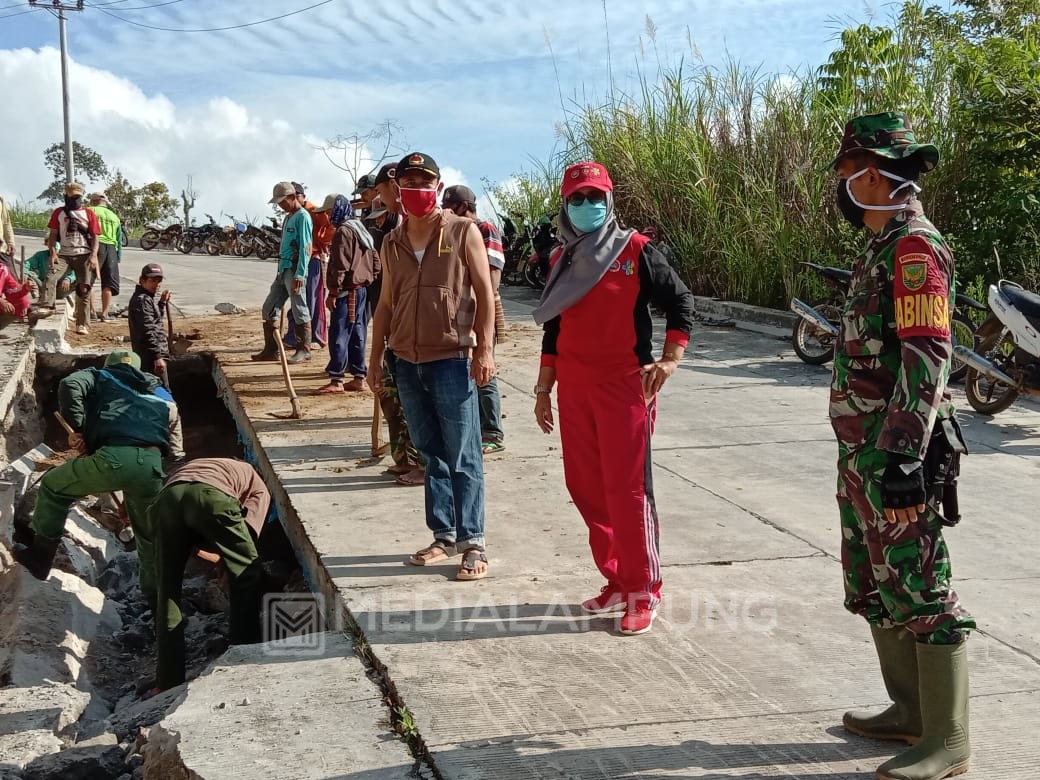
(418, 203)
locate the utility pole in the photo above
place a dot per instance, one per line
(60, 9)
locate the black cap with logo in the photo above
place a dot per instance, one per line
(417, 161)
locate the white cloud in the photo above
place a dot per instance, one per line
(234, 155)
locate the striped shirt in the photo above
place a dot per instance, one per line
(493, 244)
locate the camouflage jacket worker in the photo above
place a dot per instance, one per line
(892, 357)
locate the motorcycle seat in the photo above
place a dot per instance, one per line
(837, 274)
(829, 272)
(1026, 302)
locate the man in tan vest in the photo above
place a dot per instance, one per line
(437, 312)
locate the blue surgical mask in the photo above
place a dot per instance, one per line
(589, 216)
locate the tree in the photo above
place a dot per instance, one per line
(188, 196)
(88, 166)
(361, 153)
(138, 206)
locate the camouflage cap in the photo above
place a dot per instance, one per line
(890, 135)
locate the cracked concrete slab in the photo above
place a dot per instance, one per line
(271, 711)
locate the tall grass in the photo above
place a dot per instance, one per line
(730, 163)
(727, 164)
(25, 217)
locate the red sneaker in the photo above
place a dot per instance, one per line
(609, 600)
(638, 619)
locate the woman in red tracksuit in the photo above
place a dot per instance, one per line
(597, 348)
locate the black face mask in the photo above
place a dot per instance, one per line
(73, 201)
(853, 214)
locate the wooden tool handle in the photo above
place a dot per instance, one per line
(293, 400)
(64, 423)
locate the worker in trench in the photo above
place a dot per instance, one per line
(218, 504)
(121, 431)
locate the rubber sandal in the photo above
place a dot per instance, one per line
(411, 480)
(468, 568)
(329, 389)
(491, 447)
(434, 553)
(399, 470)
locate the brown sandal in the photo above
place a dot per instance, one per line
(435, 553)
(468, 569)
(414, 478)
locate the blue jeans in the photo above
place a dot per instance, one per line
(347, 339)
(440, 405)
(282, 291)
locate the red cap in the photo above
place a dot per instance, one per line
(585, 174)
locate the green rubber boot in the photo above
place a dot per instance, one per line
(897, 652)
(944, 749)
(303, 345)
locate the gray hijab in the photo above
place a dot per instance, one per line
(585, 260)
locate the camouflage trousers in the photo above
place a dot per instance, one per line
(401, 448)
(895, 574)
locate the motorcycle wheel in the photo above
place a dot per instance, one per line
(242, 247)
(532, 277)
(185, 245)
(962, 331)
(811, 344)
(985, 395)
(149, 240)
(212, 245)
(263, 250)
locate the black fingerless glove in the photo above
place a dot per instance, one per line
(902, 485)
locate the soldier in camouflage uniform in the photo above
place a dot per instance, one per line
(408, 464)
(891, 364)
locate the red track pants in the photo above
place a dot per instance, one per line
(605, 430)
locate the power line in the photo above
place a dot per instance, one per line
(135, 8)
(18, 13)
(211, 29)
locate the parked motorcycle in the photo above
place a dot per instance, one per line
(154, 235)
(817, 325)
(255, 242)
(543, 241)
(195, 236)
(1006, 360)
(516, 246)
(271, 235)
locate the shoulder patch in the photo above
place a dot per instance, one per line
(921, 291)
(914, 270)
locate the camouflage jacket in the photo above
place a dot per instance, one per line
(892, 357)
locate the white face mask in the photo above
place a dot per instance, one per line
(891, 196)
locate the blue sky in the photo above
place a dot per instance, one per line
(472, 83)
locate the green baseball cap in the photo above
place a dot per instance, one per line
(366, 182)
(117, 356)
(888, 134)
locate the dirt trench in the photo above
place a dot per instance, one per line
(78, 650)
